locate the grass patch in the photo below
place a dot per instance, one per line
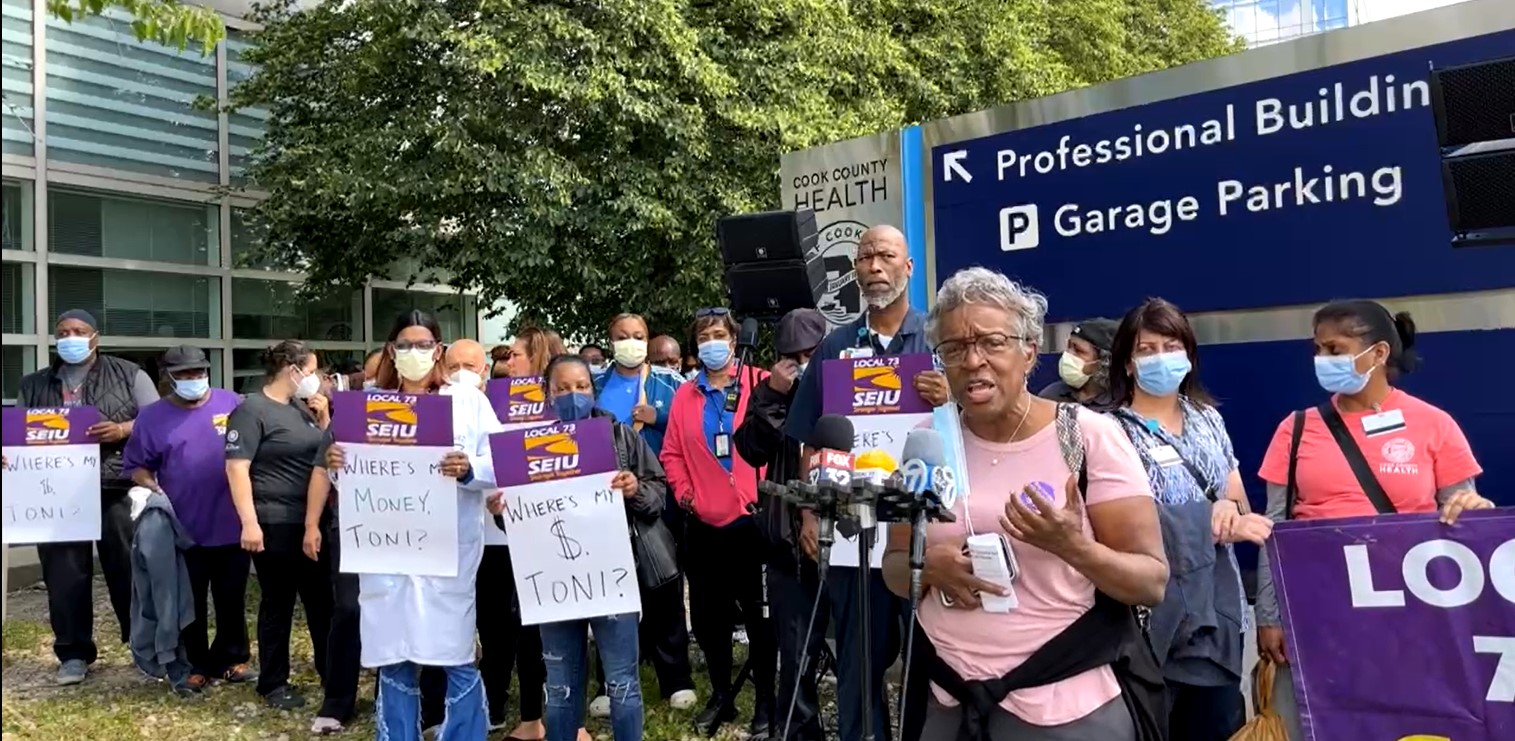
(117, 703)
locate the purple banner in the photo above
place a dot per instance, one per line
(880, 385)
(60, 426)
(1399, 627)
(389, 418)
(551, 452)
(519, 400)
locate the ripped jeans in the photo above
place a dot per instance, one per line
(398, 709)
(566, 656)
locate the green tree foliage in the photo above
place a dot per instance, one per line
(573, 156)
(165, 21)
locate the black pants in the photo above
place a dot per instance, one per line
(284, 574)
(1205, 713)
(664, 637)
(793, 595)
(68, 570)
(217, 573)
(504, 643)
(344, 645)
(725, 568)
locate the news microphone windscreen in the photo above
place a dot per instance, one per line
(925, 445)
(748, 335)
(832, 432)
(875, 459)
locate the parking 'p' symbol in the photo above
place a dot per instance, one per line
(1019, 228)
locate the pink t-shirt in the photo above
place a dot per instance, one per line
(980, 645)
(1411, 464)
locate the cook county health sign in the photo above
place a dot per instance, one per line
(1400, 627)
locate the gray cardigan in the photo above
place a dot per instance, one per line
(163, 602)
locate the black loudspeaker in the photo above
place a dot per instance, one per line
(1474, 102)
(1474, 107)
(767, 274)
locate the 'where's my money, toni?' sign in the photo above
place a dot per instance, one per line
(52, 480)
(570, 545)
(398, 513)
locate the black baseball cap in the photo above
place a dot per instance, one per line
(1099, 332)
(183, 358)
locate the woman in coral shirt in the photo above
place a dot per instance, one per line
(1419, 459)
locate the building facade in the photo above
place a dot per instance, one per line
(1271, 21)
(113, 203)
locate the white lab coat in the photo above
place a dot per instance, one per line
(430, 619)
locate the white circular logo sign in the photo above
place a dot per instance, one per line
(231, 436)
(840, 299)
(1399, 450)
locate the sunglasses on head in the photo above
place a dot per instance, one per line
(712, 311)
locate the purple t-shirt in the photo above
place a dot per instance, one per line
(185, 450)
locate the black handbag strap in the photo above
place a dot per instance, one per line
(1360, 468)
(1292, 492)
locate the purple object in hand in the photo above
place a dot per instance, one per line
(1043, 488)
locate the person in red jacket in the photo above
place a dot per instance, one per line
(723, 547)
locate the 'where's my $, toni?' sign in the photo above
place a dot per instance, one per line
(570, 543)
(52, 480)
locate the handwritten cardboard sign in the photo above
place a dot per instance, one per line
(52, 482)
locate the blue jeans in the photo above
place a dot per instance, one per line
(566, 656)
(884, 628)
(398, 709)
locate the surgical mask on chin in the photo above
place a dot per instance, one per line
(466, 377)
(73, 350)
(307, 386)
(1337, 374)
(715, 354)
(596, 369)
(630, 353)
(192, 389)
(1070, 368)
(1161, 374)
(414, 365)
(370, 383)
(573, 407)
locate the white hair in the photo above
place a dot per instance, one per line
(981, 286)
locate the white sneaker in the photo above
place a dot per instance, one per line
(683, 700)
(600, 707)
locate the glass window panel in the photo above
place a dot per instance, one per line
(456, 314)
(16, 69)
(246, 238)
(17, 283)
(248, 371)
(148, 358)
(245, 125)
(15, 362)
(82, 223)
(136, 303)
(127, 105)
(272, 309)
(17, 226)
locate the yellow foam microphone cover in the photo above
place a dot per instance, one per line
(874, 465)
(1421, 737)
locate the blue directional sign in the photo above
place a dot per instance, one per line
(1292, 190)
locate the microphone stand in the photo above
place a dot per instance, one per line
(917, 565)
(865, 642)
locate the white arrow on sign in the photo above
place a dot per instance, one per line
(954, 163)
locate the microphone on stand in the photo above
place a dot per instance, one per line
(831, 463)
(924, 473)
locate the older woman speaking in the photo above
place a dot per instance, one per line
(1061, 506)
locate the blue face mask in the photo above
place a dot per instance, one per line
(1338, 374)
(1161, 374)
(73, 350)
(573, 407)
(715, 354)
(192, 389)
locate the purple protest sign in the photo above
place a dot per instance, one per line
(1399, 627)
(550, 452)
(879, 385)
(391, 418)
(519, 401)
(58, 426)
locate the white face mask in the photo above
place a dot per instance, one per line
(414, 364)
(630, 353)
(307, 386)
(1071, 369)
(466, 377)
